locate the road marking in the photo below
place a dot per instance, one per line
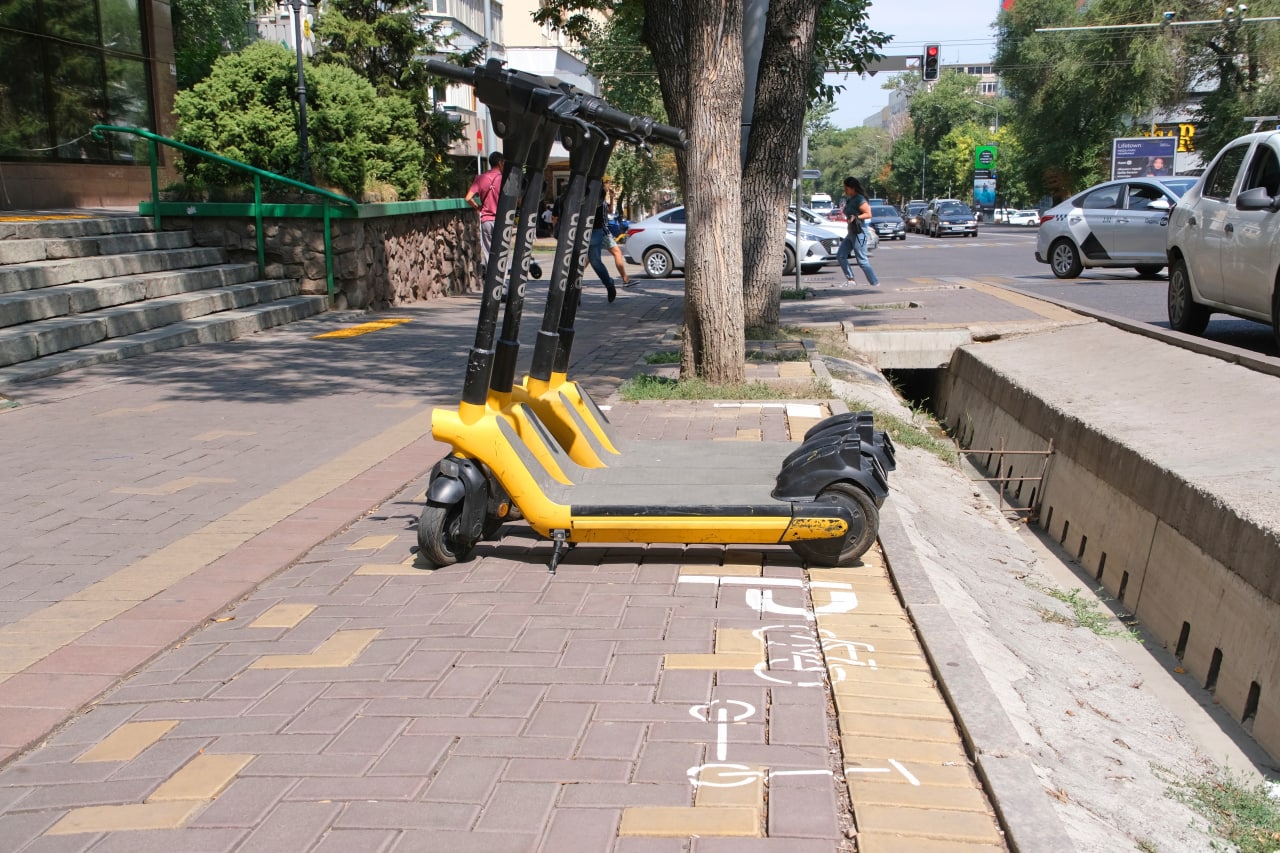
(364, 328)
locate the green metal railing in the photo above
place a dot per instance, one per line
(154, 140)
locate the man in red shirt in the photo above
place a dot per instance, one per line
(483, 196)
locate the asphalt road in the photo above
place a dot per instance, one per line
(1008, 251)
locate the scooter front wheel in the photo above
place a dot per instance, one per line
(438, 535)
(861, 535)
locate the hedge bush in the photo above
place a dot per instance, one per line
(247, 110)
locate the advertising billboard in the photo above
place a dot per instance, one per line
(1142, 156)
(984, 176)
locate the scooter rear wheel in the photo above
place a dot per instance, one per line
(438, 535)
(861, 535)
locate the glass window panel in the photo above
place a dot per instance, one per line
(121, 26)
(73, 20)
(77, 106)
(20, 15)
(128, 105)
(24, 128)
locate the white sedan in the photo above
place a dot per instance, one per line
(1119, 223)
(1023, 217)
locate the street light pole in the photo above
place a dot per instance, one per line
(996, 129)
(302, 92)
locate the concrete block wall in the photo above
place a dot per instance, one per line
(1198, 576)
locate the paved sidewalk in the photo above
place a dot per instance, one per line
(211, 551)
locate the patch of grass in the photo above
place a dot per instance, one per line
(759, 333)
(644, 387)
(1243, 814)
(796, 293)
(777, 355)
(906, 434)
(1085, 613)
(663, 357)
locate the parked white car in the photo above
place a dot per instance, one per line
(1224, 239)
(1023, 217)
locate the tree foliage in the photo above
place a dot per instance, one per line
(246, 109)
(385, 43)
(204, 30)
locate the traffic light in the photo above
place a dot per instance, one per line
(929, 62)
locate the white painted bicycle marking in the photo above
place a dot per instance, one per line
(842, 601)
(894, 765)
(720, 709)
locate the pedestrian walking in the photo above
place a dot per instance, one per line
(602, 239)
(858, 211)
(483, 196)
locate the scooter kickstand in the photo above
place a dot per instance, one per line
(559, 544)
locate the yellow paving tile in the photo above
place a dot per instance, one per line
(880, 842)
(739, 641)
(926, 752)
(135, 816)
(868, 602)
(215, 434)
(943, 824)
(921, 709)
(901, 677)
(714, 661)
(170, 488)
(680, 822)
(745, 434)
(855, 723)
(876, 649)
(201, 778)
(127, 742)
(392, 569)
(283, 616)
(961, 798)
(372, 543)
(339, 650)
(795, 370)
(878, 771)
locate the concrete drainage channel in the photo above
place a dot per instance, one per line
(1164, 511)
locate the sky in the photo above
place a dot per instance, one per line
(962, 27)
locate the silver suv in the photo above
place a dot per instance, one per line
(1224, 239)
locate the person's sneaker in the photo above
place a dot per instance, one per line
(850, 283)
(613, 293)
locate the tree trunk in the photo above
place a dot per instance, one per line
(772, 150)
(698, 43)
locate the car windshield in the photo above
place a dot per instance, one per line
(882, 210)
(954, 210)
(1178, 186)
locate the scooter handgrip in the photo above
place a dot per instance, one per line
(454, 72)
(596, 110)
(673, 136)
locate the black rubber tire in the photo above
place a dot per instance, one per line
(1275, 316)
(1185, 314)
(788, 261)
(1149, 270)
(658, 263)
(437, 528)
(861, 536)
(1064, 259)
(811, 269)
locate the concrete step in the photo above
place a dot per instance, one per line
(43, 338)
(23, 251)
(37, 274)
(223, 326)
(64, 299)
(27, 228)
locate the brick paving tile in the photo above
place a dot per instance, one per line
(372, 788)
(609, 739)
(653, 845)
(244, 803)
(292, 826)
(802, 812)
(466, 779)
(518, 806)
(420, 841)
(425, 815)
(302, 766)
(25, 772)
(581, 829)
(763, 845)
(623, 794)
(215, 840)
(76, 794)
(18, 829)
(412, 756)
(353, 840)
(62, 843)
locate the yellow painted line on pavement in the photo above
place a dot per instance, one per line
(40, 634)
(339, 650)
(127, 742)
(1036, 306)
(364, 328)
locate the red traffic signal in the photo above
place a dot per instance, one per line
(929, 62)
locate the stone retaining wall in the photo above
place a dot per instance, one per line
(379, 262)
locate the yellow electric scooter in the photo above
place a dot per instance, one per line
(822, 501)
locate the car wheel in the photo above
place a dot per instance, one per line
(658, 263)
(811, 269)
(788, 261)
(1185, 314)
(1064, 259)
(1148, 270)
(1275, 316)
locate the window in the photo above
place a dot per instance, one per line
(1218, 183)
(1142, 195)
(72, 64)
(675, 217)
(1264, 171)
(1103, 198)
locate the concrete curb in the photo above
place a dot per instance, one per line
(1028, 818)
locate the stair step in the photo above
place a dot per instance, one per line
(65, 299)
(23, 228)
(43, 338)
(223, 326)
(38, 274)
(25, 251)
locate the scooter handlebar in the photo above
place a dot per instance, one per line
(600, 112)
(454, 72)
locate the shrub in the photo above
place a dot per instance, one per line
(246, 110)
